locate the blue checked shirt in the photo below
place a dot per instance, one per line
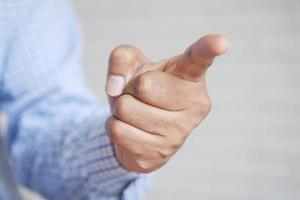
(55, 131)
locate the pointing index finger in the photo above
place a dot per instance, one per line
(193, 63)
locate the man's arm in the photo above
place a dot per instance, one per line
(56, 130)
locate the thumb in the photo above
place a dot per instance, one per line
(124, 61)
(193, 63)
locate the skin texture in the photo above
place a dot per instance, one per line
(160, 103)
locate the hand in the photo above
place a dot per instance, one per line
(155, 106)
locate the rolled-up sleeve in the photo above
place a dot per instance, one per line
(56, 132)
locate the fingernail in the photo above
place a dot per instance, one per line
(115, 85)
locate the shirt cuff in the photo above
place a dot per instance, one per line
(93, 170)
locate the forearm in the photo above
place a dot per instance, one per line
(64, 153)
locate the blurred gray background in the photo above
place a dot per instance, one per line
(249, 146)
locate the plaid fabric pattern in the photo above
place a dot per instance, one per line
(55, 132)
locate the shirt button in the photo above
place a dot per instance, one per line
(3, 123)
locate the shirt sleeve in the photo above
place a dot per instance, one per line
(56, 132)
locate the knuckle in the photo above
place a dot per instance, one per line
(203, 107)
(206, 105)
(108, 124)
(146, 166)
(179, 132)
(176, 139)
(143, 84)
(183, 126)
(115, 130)
(165, 152)
(177, 142)
(122, 105)
(200, 112)
(124, 52)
